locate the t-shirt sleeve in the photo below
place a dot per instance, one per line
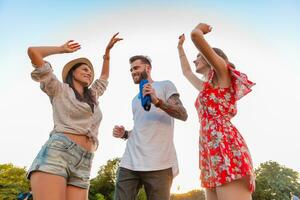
(48, 81)
(170, 89)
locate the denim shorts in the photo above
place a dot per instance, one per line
(63, 157)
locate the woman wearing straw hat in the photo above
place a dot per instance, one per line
(61, 169)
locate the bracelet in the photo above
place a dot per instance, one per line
(125, 136)
(158, 103)
(106, 57)
(181, 55)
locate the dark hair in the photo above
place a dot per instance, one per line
(223, 55)
(143, 59)
(87, 95)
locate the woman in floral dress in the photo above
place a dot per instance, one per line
(225, 161)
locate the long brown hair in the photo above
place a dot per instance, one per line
(223, 55)
(87, 95)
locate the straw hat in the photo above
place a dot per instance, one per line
(70, 64)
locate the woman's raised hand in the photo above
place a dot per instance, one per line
(205, 28)
(181, 40)
(113, 41)
(70, 47)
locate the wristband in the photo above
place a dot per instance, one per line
(125, 136)
(105, 57)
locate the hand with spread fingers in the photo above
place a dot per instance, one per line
(113, 41)
(106, 56)
(70, 46)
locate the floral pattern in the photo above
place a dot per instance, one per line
(223, 153)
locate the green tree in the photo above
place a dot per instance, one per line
(12, 181)
(191, 195)
(275, 182)
(99, 196)
(142, 194)
(103, 185)
(104, 182)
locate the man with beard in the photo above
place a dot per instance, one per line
(150, 158)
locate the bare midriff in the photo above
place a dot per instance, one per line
(82, 140)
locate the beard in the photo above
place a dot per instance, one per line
(142, 75)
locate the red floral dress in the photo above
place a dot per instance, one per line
(224, 155)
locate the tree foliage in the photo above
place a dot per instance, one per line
(12, 181)
(104, 183)
(142, 194)
(274, 181)
(191, 195)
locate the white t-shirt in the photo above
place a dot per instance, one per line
(150, 145)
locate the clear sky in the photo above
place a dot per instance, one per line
(260, 37)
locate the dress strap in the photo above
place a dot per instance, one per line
(211, 74)
(209, 78)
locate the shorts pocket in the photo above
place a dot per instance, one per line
(59, 145)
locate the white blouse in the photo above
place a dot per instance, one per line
(69, 114)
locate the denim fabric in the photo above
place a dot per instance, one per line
(63, 157)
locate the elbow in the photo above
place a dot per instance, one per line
(31, 52)
(194, 34)
(35, 56)
(185, 117)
